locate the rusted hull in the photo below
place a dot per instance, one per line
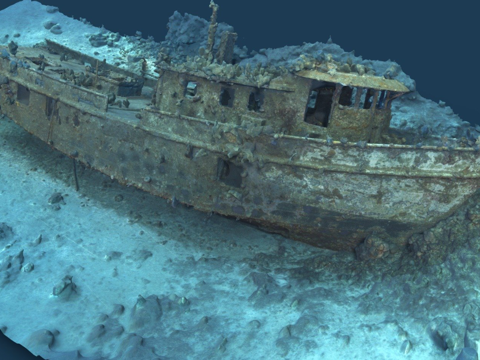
(331, 196)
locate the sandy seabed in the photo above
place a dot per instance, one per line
(110, 272)
(113, 272)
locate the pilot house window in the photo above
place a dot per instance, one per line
(23, 95)
(346, 96)
(226, 96)
(368, 99)
(319, 105)
(381, 100)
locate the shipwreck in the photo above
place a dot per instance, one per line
(305, 152)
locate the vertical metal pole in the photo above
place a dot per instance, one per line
(75, 174)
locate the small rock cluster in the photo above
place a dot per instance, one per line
(54, 27)
(100, 39)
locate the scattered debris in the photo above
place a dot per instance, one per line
(56, 29)
(65, 288)
(49, 24)
(56, 198)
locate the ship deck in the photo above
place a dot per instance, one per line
(93, 76)
(130, 113)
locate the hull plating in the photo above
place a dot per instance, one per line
(330, 196)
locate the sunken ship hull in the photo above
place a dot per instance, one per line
(331, 194)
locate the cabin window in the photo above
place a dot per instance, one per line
(255, 100)
(389, 96)
(346, 96)
(358, 92)
(381, 100)
(23, 95)
(368, 99)
(191, 89)
(360, 98)
(229, 173)
(226, 96)
(319, 105)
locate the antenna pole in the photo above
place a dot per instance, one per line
(212, 30)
